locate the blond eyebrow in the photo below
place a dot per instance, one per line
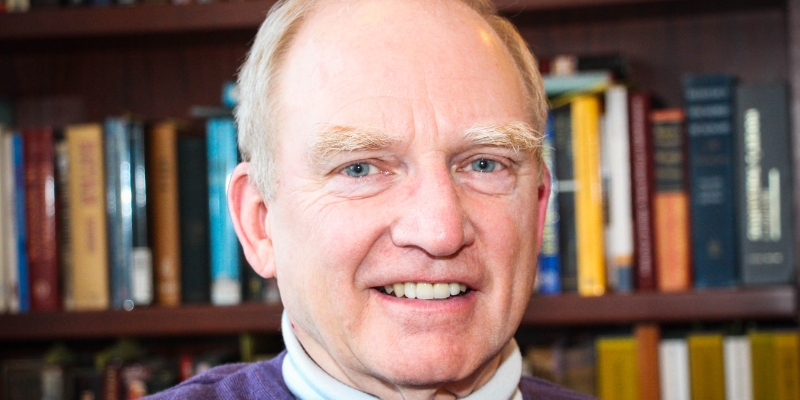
(516, 136)
(337, 139)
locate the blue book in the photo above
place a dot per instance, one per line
(23, 285)
(223, 157)
(710, 130)
(549, 280)
(119, 210)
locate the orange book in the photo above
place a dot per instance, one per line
(671, 202)
(163, 147)
(648, 337)
(87, 216)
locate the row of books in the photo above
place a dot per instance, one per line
(666, 199)
(120, 214)
(13, 6)
(124, 370)
(762, 364)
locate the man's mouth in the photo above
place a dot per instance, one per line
(425, 290)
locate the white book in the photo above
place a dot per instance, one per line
(8, 227)
(616, 160)
(738, 368)
(673, 363)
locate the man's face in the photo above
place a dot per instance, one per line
(380, 183)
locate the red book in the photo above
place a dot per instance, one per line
(39, 155)
(642, 188)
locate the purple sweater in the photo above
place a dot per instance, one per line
(264, 380)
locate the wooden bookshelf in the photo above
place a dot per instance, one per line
(773, 303)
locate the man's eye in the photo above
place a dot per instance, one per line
(359, 170)
(484, 165)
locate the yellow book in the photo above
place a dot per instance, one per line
(762, 350)
(588, 195)
(163, 164)
(706, 366)
(787, 363)
(617, 369)
(87, 217)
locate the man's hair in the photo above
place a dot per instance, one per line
(259, 108)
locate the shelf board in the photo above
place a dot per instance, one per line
(712, 305)
(71, 22)
(767, 303)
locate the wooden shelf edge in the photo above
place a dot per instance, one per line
(144, 322)
(766, 303)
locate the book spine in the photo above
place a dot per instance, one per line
(120, 211)
(763, 174)
(222, 159)
(647, 338)
(64, 240)
(194, 213)
(588, 196)
(706, 366)
(41, 218)
(22, 290)
(738, 368)
(787, 358)
(6, 219)
(87, 215)
(617, 166)
(567, 245)
(671, 201)
(673, 361)
(709, 111)
(642, 191)
(617, 369)
(166, 233)
(142, 257)
(549, 274)
(764, 362)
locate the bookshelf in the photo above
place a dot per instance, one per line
(158, 60)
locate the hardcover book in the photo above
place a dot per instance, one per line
(672, 232)
(222, 159)
(647, 339)
(642, 191)
(20, 296)
(142, 257)
(40, 200)
(706, 366)
(194, 226)
(738, 368)
(763, 184)
(87, 215)
(549, 271)
(673, 361)
(167, 236)
(710, 125)
(617, 369)
(567, 244)
(7, 231)
(119, 207)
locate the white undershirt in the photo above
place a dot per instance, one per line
(307, 381)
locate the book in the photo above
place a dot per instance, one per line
(585, 115)
(764, 365)
(8, 235)
(617, 368)
(142, 256)
(642, 191)
(567, 244)
(22, 379)
(647, 338)
(63, 238)
(673, 362)
(20, 296)
(578, 82)
(787, 362)
(706, 366)
(672, 231)
(193, 199)
(548, 276)
(765, 237)
(616, 164)
(44, 277)
(87, 216)
(709, 116)
(119, 207)
(166, 213)
(738, 368)
(222, 159)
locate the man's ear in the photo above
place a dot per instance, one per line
(249, 214)
(544, 197)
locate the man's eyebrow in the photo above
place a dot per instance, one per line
(335, 139)
(516, 136)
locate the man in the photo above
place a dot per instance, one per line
(393, 185)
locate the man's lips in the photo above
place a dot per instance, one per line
(425, 290)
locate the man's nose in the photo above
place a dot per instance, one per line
(432, 217)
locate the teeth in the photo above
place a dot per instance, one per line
(426, 290)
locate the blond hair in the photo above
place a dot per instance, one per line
(258, 110)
